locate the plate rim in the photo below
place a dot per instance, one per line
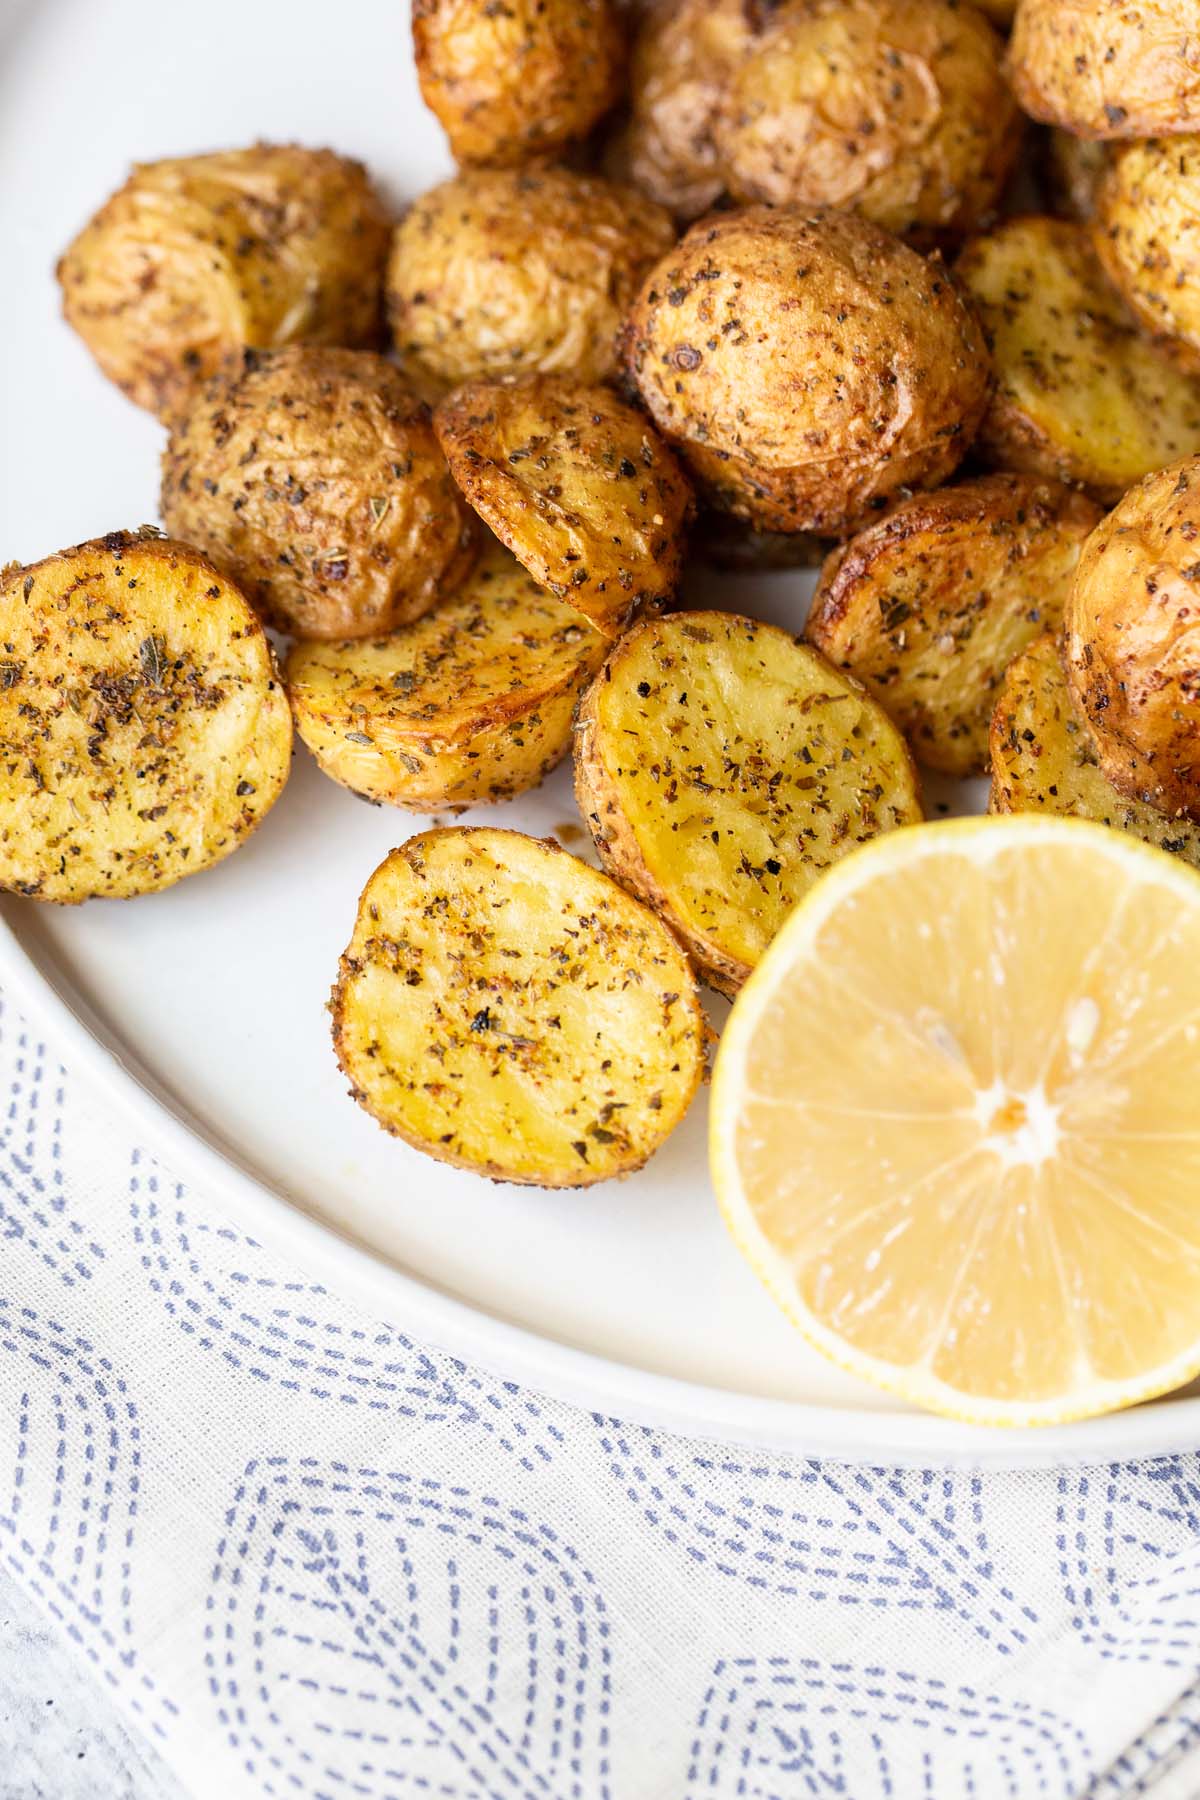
(510, 1351)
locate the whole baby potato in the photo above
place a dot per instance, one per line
(511, 272)
(1148, 235)
(1108, 69)
(682, 59)
(808, 365)
(314, 478)
(897, 108)
(1133, 640)
(199, 255)
(513, 82)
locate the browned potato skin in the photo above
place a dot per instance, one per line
(1148, 237)
(929, 606)
(896, 108)
(520, 81)
(1133, 640)
(1075, 168)
(314, 477)
(199, 255)
(578, 485)
(1107, 69)
(809, 366)
(683, 58)
(514, 272)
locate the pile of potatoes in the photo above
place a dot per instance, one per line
(766, 283)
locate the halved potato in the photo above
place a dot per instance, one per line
(473, 702)
(1080, 393)
(579, 486)
(722, 765)
(144, 729)
(507, 1009)
(1044, 757)
(1148, 236)
(930, 606)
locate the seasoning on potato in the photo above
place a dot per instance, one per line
(1148, 236)
(145, 730)
(503, 272)
(472, 703)
(199, 255)
(509, 1010)
(1044, 757)
(313, 477)
(1106, 69)
(929, 606)
(1133, 640)
(897, 108)
(809, 366)
(1081, 393)
(513, 82)
(578, 485)
(722, 765)
(683, 58)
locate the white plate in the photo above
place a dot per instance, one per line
(200, 1011)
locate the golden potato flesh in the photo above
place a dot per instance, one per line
(144, 731)
(1080, 392)
(472, 703)
(514, 82)
(1109, 69)
(314, 478)
(200, 255)
(1133, 640)
(1044, 757)
(509, 1010)
(1148, 235)
(1074, 169)
(722, 766)
(578, 485)
(928, 607)
(897, 108)
(809, 366)
(682, 60)
(504, 272)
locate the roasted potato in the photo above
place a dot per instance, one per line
(1080, 393)
(514, 82)
(1074, 168)
(1148, 236)
(1000, 12)
(474, 702)
(144, 729)
(929, 606)
(683, 58)
(199, 255)
(897, 108)
(1109, 69)
(809, 366)
(1133, 640)
(1044, 757)
(313, 477)
(722, 765)
(507, 1009)
(578, 485)
(505, 272)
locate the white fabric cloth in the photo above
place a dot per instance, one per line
(312, 1557)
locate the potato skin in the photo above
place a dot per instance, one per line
(578, 485)
(503, 272)
(1133, 640)
(507, 1009)
(314, 478)
(516, 82)
(473, 703)
(1106, 69)
(928, 607)
(145, 730)
(897, 108)
(683, 57)
(808, 365)
(1044, 757)
(722, 765)
(197, 256)
(1080, 393)
(1148, 236)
